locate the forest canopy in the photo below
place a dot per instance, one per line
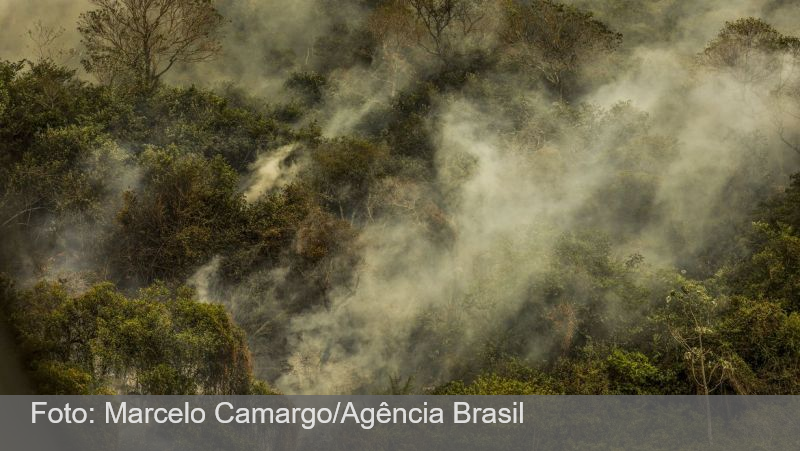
(401, 196)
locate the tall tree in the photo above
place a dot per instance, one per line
(445, 22)
(442, 28)
(765, 61)
(751, 50)
(143, 39)
(692, 317)
(555, 40)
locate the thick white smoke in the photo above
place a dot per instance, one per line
(507, 210)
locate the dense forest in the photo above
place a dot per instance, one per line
(400, 196)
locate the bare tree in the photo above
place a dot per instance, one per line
(692, 322)
(45, 42)
(389, 25)
(441, 28)
(555, 40)
(441, 19)
(141, 40)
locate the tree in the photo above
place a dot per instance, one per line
(186, 210)
(387, 25)
(45, 41)
(205, 123)
(751, 49)
(143, 39)
(102, 342)
(442, 28)
(343, 172)
(765, 336)
(692, 318)
(446, 21)
(555, 40)
(758, 56)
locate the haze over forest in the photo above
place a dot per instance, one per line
(400, 196)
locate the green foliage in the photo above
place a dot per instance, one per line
(493, 384)
(766, 338)
(138, 182)
(309, 85)
(57, 163)
(586, 289)
(692, 317)
(162, 342)
(58, 378)
(505, 377)
(772, 270)
(202, 122)
(45, 96)
(406, 132)
(632, 373)
(186, 209)
(343, 171)
(783, 209)
(272, 223)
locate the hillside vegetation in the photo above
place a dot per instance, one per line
(411, 196)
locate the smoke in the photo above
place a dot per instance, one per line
(666, 158)
(29, 28)
(270, 171)
(685, 26)
(201, 280)
(411, 285)
(65, 245)
(707, 149)
(265, 41)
